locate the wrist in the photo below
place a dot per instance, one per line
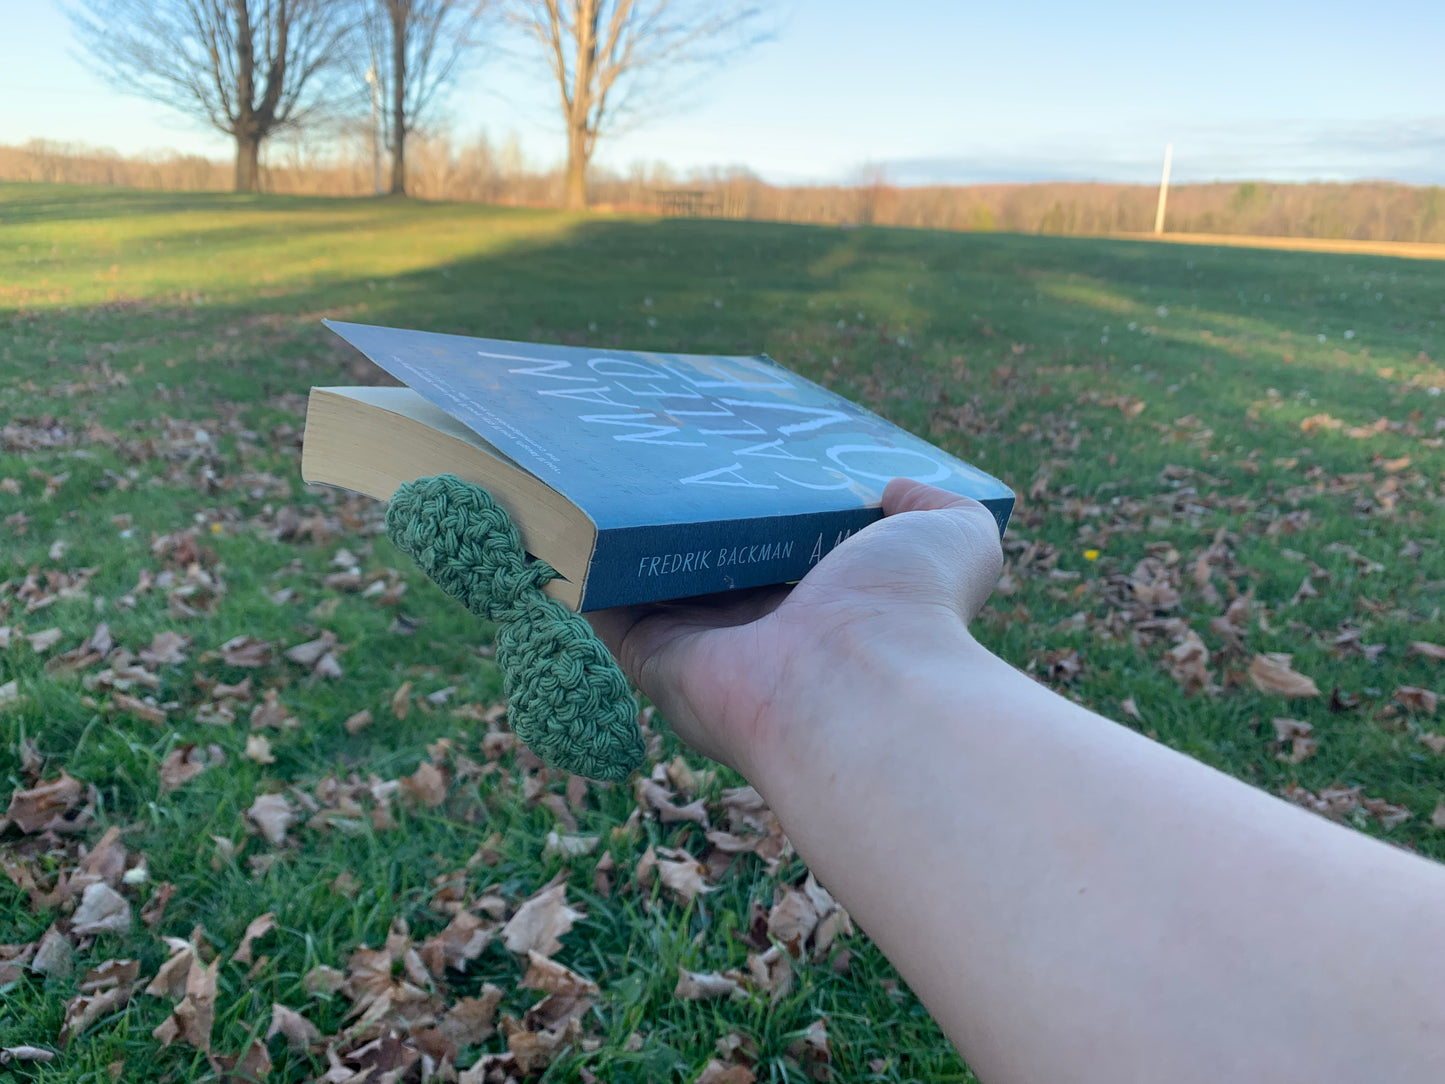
(860, 694)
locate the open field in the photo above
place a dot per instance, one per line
(1406, 250)
(1222, 454)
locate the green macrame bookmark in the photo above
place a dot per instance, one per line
(566, 697)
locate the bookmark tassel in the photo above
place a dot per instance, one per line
(566, 698)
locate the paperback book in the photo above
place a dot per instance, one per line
(640, 477)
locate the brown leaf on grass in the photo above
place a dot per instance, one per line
(313, 651)
(461, 942)
(110, 975)
(771, 972)
(246, 651)
(1427, 650)
(102, 910)
(300, 1033)
(716, 1072)
(191, 1020)
(1131, 709)
(401, 701)
(1188, 663)
(652, 795)
(165, 648)
(567, 845)
(10, 1055)
(792, 920)
(181, 765)
(1273, 673)
(540, 922)
(252, 1067)
(141, 709)
(40, 807)
(155, 908)
(103, 862)
(547, 975)
(54, 956)
(705, 985)
(170, 980)
(812, 1052)
(273, 815)
(256, 929)
(258, 748)
(323, 980)
(1297, 735)
(682, 875)
(43, 641)
(472, 1019)
(83, 1011)
(428, 784)
(9, 692)
(1437, 818)
(13, 961)
(270, 712)
(1415, 699)
(355, 724)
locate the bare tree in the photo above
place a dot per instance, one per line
(250, 68)
(416, 48)
(609, 56)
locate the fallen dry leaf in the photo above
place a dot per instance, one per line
(1428, 650)
(273, 815)
(54, 956)
(85, 1010)
(540, 922)
(35, 809)
(547, 975)
(1273, 673)
(461, 942)
(1415, 699)
(715, 1072)
(300, 1033)
(472, 1019)
(682, 875)
(102, 910)
(181, 765)
(704, 985)
(165, 648)
(246, 651)
(191, 1021)
(9, 1055)
(270, 712)
(252, 1067)
(428, 784)
(401, 701)
(355, 724)
(257, 928)
(569, 846)
(170, 980)
(1297, 735)
(43, 641)
(258, 748)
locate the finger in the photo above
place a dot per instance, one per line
(906, 495)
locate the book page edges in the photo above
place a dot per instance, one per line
(372, 439)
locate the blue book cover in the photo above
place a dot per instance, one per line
(702, 473)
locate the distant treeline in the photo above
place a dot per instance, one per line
(481, 171)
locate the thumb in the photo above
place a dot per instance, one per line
(960, 535)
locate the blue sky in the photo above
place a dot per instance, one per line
(933, 90)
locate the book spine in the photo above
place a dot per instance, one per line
(634, 565)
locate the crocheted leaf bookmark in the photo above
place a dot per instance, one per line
(566, 697)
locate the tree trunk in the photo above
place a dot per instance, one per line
(400, 10)
(248, 162)
(575, 194)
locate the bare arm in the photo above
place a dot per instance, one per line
(1071, 900)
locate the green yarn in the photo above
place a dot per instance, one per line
(566, 698)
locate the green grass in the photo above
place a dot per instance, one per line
(1154, 393)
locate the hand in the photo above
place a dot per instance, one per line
(732, 673)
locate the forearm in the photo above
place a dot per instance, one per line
(1075, 902)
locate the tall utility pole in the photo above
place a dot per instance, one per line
(374, 83)
(1163, 189)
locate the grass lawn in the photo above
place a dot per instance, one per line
(1221, 454)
